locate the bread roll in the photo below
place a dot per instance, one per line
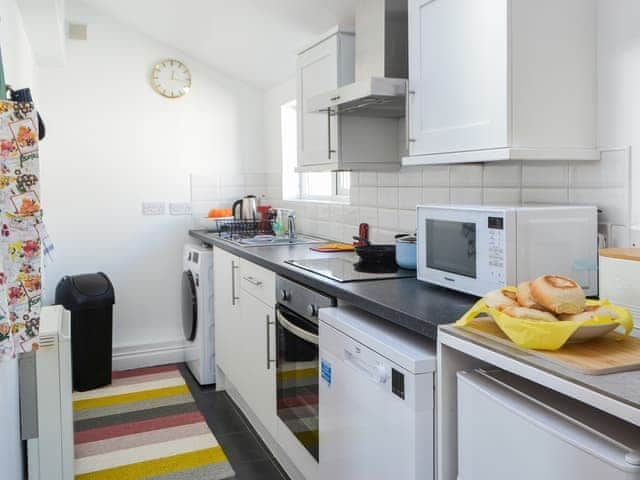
(588, 314)
(500, 299)
(530, 314)
(524, 296)
(558, 294)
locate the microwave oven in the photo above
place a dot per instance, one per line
(476, 249)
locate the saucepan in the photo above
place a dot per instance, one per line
(406, 251)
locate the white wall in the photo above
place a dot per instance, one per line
(113, 143)
(18, 68)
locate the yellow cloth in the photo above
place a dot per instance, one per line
(537, 335)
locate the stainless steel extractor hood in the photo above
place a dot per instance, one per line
(381, 65)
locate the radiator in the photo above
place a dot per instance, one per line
(47, 411)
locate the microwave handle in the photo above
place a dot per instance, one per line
(295, 330)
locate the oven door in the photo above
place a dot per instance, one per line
(297, 376)
(462, 249)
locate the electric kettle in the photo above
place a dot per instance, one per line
(246, 208)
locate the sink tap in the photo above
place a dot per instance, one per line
(292, 227)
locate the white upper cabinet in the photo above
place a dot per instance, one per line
(501, 79)
(325, 65)
(328, 140)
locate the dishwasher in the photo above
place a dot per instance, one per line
(376, 399)
(511, 428)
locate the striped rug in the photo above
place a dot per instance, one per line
(145, 425)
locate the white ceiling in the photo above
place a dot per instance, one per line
(253, 40)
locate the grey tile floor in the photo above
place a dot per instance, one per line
(247, 454)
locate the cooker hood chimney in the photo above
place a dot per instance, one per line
(381, 65)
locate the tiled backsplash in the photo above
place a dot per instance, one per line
(387, 201)
(220, 190)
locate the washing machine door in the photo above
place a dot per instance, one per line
(189, 306)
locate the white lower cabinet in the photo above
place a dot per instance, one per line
(226, 308)
(257, 381)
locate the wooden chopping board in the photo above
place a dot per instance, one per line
(612, 353)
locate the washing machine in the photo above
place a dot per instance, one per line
(197, 312)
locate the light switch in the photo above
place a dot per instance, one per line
(154, 208)
(180, 208)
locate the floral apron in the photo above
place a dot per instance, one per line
(21, 229)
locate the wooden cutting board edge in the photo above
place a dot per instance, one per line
(549, 356)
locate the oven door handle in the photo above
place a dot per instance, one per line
(295, 330)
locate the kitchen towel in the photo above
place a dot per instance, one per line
(21, 229)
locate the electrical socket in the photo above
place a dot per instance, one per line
(180, 208)
(154, 208)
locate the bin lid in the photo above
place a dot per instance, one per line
(91, 285)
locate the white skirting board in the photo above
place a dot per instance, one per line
(148, 355)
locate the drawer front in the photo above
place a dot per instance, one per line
(258, 281)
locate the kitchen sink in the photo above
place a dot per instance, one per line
(271, 240)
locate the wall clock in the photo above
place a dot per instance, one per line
(171, 78)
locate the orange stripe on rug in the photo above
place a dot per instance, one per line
(162, 466)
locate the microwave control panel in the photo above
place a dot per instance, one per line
(496, 246)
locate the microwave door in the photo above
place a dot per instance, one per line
(452, 247)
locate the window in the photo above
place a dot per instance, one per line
(321, 186)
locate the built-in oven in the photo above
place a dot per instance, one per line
(297, 361)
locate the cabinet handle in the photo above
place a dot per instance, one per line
(333, 99)
(253, 281)
(329, 151)
(269, 323)
(407, 117)
(234, 298)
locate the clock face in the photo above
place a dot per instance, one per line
(171, 78)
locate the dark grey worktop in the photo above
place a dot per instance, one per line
(407, 302)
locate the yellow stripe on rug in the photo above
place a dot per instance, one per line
(301, 373)
(161, 466)
(130, 397)
(111, 391)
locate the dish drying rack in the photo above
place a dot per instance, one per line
(235, 228)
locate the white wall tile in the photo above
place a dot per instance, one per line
(614, 202)
(407, 221)
(388, 179)
(436, 195)
(351, 215)
(388, 197)
(335, 231)
(466, 175)
(369, 215)
(611, 171)
(336, 213)
(388, 218)
(348, 232)
(383, 236)
(368, 179)
(502, 174)
(354, 196)
(368, 196)
(322, 211)
(545, 174)
(354, 179)
(466, 196)
(435, 176)
(410, 177)
(255, 179)
(545, 195)
(409, 197)
(501, 196)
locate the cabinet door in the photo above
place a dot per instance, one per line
(317, 73)
(459, 75)
(257, 384)
(226, 311)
